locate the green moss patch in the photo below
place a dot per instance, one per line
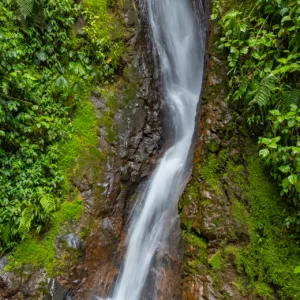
(216, 261)
(83, 138)
(36, 252)
(208, 171)
(273, 253)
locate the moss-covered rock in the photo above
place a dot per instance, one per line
(234, 206)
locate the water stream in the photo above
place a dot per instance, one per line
(180, 48)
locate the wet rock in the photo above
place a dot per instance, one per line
(212, 207)
(58, 292)
(72, 241)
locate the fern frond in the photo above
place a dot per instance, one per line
(263, 94)
(25, 7)
(48, 203)
(290, 97)
(25, 221)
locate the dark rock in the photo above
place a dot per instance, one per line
(58, 292)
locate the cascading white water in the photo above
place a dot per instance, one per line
(180, 47)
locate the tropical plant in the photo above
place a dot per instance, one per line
(262, 41)
(45, 72)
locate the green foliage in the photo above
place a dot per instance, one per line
(216, 261)
(38, 252)
(273, 254)
(263, 59)
(25, 7)
(200, 245)
(83, 137)
(208, 170)
(46, 73)
(282, 155)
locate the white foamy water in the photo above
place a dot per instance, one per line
(180, 46)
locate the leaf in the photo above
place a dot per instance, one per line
(274, 112)
(285, 183)
(290, 97)
(297, 186)
(273, 145)
(42, 56)
(25, 7)
(285, 169)
(293, 179)
(76, 88)
(264, 153)
(263, 94)
(285, 19)
(62, 83)
(297, 270)
(25, 221)
(48, 203)
(245, 50)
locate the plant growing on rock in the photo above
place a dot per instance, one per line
(46, 71)
(262, 40)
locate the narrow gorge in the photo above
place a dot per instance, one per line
(137, 156)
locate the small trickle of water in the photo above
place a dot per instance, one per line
(180, 47)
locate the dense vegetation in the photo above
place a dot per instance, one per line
(47, 68)
(263, 41)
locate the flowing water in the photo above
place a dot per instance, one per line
(178, 41)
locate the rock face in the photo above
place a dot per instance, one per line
(130, 157)
(129, 115)
(213, 208)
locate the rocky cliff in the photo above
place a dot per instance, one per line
(235, 243)
(128, 114)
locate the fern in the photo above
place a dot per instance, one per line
(25, 7)
(263, 94)
(26, 220)
(290, 97)
(48, 203)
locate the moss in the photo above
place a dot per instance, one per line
(272, 254)
(213, 145)
(195, 240)
(39, 253)
(263, 290)
(192, 191)
(232, 250)
(208, 171)
(107, 118)
(83, 137)
(238, 210)
(236, 173)
(196, 261)
(241, 284)
(216, 261)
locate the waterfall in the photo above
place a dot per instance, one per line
(179, 43)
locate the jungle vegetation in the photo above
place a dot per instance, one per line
(262, 39)
(48, 66)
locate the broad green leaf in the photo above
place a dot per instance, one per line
(264, 153)
(266, 141)
(275, 112)
(285, 169)
(62, 83)
(273, 145)
(285, 19)
(285, 183)
(297, 186)
(297, 270)
(293, 178)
